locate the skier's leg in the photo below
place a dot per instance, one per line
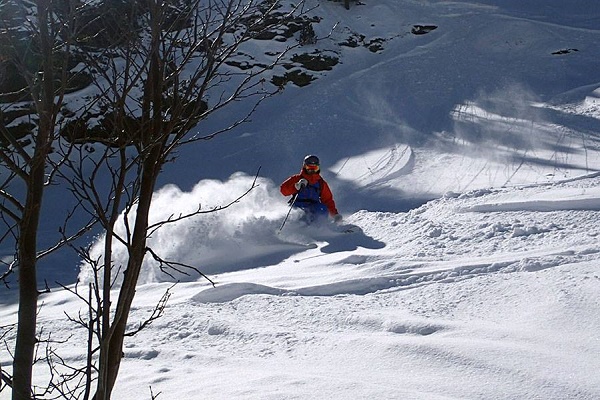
(307, 215)
(313, 212)
(320, 212)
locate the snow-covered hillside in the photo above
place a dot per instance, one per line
(467, 156)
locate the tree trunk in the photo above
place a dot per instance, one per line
(29, 223)
(28, 292)
(109, 366)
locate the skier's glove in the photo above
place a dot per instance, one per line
(301, 184)
(337, 218)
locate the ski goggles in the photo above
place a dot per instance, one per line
(311, 167)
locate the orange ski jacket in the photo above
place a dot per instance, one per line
(287, 188)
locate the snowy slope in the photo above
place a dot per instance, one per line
(468, 157)
(490, 294)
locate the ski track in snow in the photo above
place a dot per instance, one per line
(485, 235)
(377, 167)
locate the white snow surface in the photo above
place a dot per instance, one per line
(466, 160)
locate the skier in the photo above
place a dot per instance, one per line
(311, 192)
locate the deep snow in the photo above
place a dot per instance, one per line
(468, 158)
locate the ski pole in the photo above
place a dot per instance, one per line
(289, 211)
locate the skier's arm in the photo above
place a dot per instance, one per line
(287, 188)
(327, 199)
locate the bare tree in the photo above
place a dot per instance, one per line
(160, 69)
(173, 68)
(34, 48)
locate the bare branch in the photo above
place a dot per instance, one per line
(12, 166)
(176, 266)
(154, 396)
(6, 211)
(9, 270)
(5, 379)
(154, 227)
(16, 145)
(157, 312)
